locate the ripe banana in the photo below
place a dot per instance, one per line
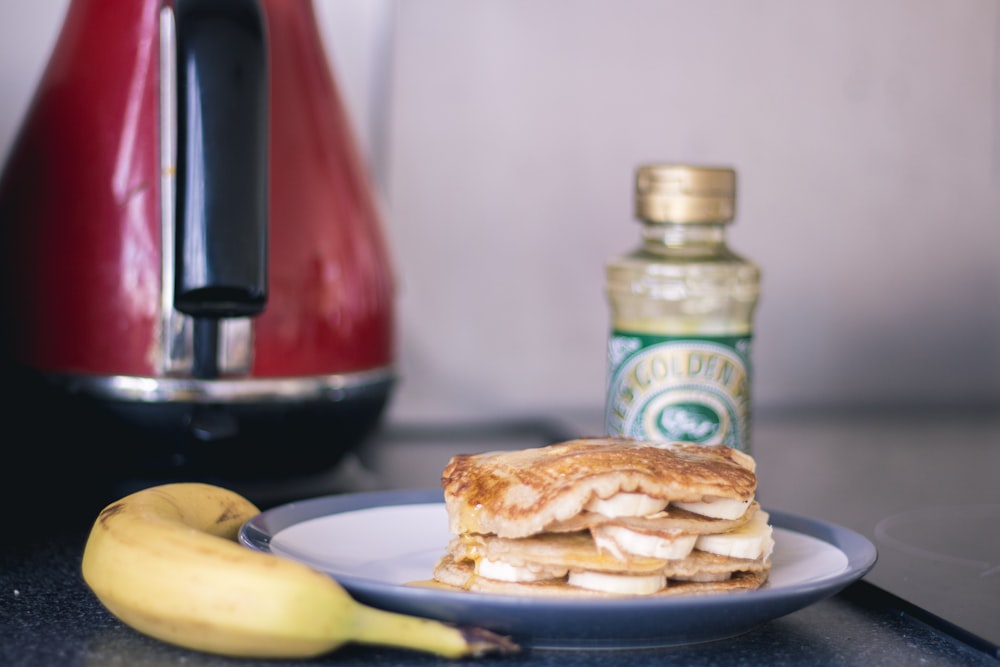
(164, 560)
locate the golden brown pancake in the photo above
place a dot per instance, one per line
(556, 554)
(520, 493)
(461, 575)
(670, 520)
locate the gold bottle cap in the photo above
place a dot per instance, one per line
(682, 193)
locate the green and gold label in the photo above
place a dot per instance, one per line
(695, 389)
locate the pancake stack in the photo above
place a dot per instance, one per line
(605, 517)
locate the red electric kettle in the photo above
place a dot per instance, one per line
(193, 265)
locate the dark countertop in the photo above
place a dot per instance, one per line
(49, 618)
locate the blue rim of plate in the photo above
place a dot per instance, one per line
(574, 624)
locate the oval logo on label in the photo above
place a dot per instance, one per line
(694, 390)
(692, 422)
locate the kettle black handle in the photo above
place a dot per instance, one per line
(222, 158)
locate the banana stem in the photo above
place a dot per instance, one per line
(385, 628)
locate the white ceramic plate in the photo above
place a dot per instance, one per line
(375, 544)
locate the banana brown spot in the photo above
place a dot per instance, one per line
(110, 511)
(230, 512)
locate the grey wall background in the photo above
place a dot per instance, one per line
(502, 135)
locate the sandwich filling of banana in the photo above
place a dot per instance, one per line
(605, 517)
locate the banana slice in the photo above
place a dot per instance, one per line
(615, 539)
(717, 508)
(751, 541)
(626, 504)
(500, 571)
(621, 584)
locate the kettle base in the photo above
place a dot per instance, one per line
(103, 443)
(238, 442)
